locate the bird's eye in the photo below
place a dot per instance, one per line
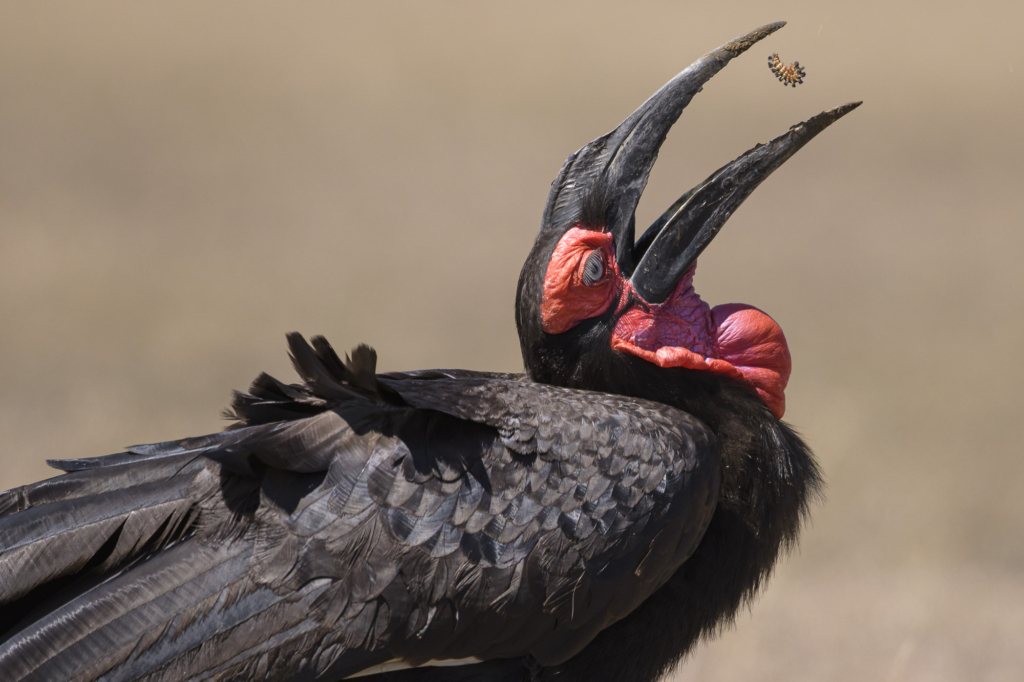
(593, 269)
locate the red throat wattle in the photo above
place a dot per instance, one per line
(734, 339)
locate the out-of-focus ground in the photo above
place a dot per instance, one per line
(181, 185)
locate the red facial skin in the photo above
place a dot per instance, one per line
(567, 299)
(733, 339)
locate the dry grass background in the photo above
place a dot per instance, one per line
(181, 185)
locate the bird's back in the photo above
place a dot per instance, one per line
(353, 523)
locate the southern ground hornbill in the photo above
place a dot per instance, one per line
(588, 520)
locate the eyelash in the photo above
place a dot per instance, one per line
(594, 260)
(788, 75)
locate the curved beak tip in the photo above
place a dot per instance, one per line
(830, 116)
(746, 41)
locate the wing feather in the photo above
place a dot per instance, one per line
(352, 520)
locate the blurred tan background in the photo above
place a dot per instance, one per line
(181, 185)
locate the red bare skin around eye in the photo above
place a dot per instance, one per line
(567, 300)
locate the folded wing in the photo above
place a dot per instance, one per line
(352, 521)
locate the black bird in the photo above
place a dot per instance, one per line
(589, 520)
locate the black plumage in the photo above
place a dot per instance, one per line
(427, 515)
(588, 520)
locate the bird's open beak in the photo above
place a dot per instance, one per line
(616, 167)
(670, 246)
